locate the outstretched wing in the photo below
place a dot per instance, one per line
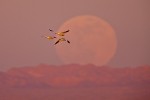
(44, 36)
(57, 42)
(66, 31)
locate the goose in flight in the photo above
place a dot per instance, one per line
(61, 40)
(49, 37)
(60, 33)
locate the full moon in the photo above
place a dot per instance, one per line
(92, 41)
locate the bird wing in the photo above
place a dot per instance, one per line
(66, 31)
(44, 36)
(57, 42)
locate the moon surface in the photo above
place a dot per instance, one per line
(92, 41)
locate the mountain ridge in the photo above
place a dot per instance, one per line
(74, 75)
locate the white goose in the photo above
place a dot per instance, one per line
(61, 40)
(49, 37)
(60, 33)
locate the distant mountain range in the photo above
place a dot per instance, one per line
(75, 75)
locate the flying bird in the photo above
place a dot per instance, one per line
(61, 40)
(49, 37)
(62, 33)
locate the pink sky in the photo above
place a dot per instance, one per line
(23, 22)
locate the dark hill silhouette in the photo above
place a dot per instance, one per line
(74, 75)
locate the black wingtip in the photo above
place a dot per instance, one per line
(68, 41)
(50, 30)
(56, 42)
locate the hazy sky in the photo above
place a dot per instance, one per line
(22, 22)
